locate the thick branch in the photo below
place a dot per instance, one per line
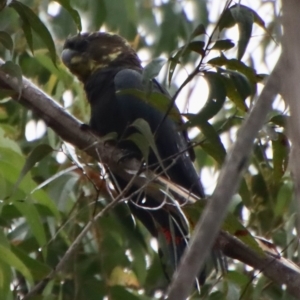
(278, 269)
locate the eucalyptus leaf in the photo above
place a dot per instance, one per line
(29, 17)
(6, 40)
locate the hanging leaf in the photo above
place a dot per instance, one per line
(223, 45)
(212, 144)
(143, 127)
(14, 71)
(242, 84)
(153, 68)
(236, 65)
(38, 269)
(284, 196)
(8, 257)
(233, 94)
(36, 155)
(34, 221)
(281, 150)
(215, 101)
(73, 12)
(280, 120)
(118, 292)
(218, 61)
(6, 40)
(244, 17)
(157, 100)
(122, 277)
(199, 30)
(141, 142)
(29, 17)
(226, 20)
(196, 46)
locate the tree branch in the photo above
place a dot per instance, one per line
(276, 268)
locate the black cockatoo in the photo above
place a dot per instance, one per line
(106, 64)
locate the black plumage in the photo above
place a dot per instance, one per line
(106, 64)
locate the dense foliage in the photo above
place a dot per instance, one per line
(48, 193)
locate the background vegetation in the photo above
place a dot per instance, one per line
(49, 192)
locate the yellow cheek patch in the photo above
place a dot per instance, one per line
(99, 66)
(114, 55)
(76, 60)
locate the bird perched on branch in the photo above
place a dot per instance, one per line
(107, 65)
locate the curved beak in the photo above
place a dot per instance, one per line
(67, 56)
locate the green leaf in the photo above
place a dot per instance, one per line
(212, 144)
(58, 71)
(245, 193)
(226, 20)
(143, 127)
(119, 292)
(73, 12)
(215, 101)
(6, 272)
(8, 257)
(237, 277)
(196, 46)
(244, 18)
(216, 96)
(8, 144)
(218, 61)
(242, 84)
(284, 196)
(233, 94)
(239, 66)
(281, 149)
(223, 45)
(33, 219)
(280, 120)
(6, 40)
(141, 142)
(28, 33)
(10, 212)
(132, 11)
(239, 284)
(5, 280)
(36, 155)
(157, 100)
(14, 71)
(37, 268)
(235, 65)
(29, 17)
(258, 20)
(153, 68)
(199, 30)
